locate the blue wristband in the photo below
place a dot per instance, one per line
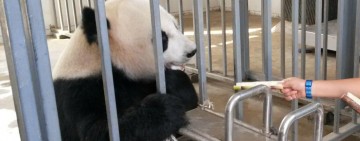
(308, 84)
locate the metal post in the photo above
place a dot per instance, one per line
(168, 5)
(208, 26)
(41, 71)
(223, 26)
(300, 113)
(345, 47)
(67, 14)
(158, 52)
(295, 48)
(74, 13)
(81, 6)
(356, 53)
(266, 38)
(181, 16)
(60, 17)
(200, 54)
(325, 42)
(109, 92)
(244, 31)
(303, 38)
(237, 51)
(282, 39)
(318, 18)
(229, 114)
(16, 49)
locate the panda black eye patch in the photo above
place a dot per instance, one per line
(165, 40)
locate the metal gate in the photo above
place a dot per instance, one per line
(30, 73)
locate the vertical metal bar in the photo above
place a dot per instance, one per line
(156, 26)
(282, 39)
(89, 3)
(223, 26)
(266, 38)
(318, 18)
(208, 27)
(81, 6)
(39, 54)
(181, 16)
(356, 52)
(200, 54)
(244, 31)
(303, 38)
(267, 111)
(109, 92)
(237, 51)
(168, 5)
(16, 49)
(345, 47)
(60, 16)
(325, 39)
(295, 48)
(67, 14)
(74, 13)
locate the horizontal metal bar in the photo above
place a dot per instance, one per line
(109, 92)
(343, 132)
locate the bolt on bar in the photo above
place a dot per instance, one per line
(295, 48)
(300, 113)
(303, 38)
(356, 53)
(208, 28)
(318, 18)
(325, 39)
(282, 39)
(181, 16)
(74, 13)
(15, 45)
(109, 92)
(200, 54)
(266, 38)
(42, 67)
(237, 51)
(60, 16)
(158, 52)
(229, 114)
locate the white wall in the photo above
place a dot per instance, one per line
(255, 7)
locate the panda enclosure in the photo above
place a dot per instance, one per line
(268, 51)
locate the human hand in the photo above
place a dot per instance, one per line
(293, 88)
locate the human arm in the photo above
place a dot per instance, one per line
(295, 88)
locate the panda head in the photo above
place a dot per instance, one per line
(130, 39)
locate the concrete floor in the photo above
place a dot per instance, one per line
(218, 92)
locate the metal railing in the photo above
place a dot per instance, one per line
(230, 106)
(300, 113)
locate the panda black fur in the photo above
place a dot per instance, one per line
(143, 114)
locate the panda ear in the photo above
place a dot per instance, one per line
(89, 25)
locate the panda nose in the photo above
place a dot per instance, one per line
(191, 54)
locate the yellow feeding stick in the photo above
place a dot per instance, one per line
(248, 85)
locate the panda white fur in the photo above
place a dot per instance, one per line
(143, 114)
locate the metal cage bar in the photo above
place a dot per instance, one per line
(244, 24)
(107, 76)
(74, 13)
(303, 38)
(223, 28)
(300, 113)
(267, 38)
(59, 14)
(200, 54)
(67, 13)
(16, 46)
(181, 16)
(295, 48)
(158, 52)
(318, 17)
(325, 39)
(208, 29)
(282, 39)
(229, 114)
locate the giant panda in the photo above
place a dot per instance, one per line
(143, 114)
